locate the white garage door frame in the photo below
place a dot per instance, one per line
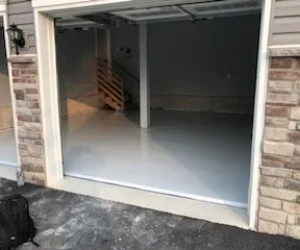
(45, 37)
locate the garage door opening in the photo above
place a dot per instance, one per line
(193, 137)
(8, 151)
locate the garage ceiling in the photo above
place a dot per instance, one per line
(196, 10)
(175, 10)
(76, 22)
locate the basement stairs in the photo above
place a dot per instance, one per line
(111, 88)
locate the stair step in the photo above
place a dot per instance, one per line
(110, 102)
(111, 95)
(102, 94)
(108, 99)
(110, 87)
(113, 104)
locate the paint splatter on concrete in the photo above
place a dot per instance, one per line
(69, 221)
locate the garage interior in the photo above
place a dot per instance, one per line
(193, 137)
(8, 153)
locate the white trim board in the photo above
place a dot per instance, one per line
(50, 116)
(259, 111)
(170, 204)
(3, 6)
(159, 190)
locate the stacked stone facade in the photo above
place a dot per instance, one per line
(279, 201)
(28, 111)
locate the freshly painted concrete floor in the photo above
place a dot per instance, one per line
(8, 151)
(196, 155)
(74, 222)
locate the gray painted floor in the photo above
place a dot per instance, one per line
(69, 221)
(198, 155)
(8, 149)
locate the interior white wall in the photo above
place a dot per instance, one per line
(5, 97)
(210, 58)
(101, 43)
(76, 64)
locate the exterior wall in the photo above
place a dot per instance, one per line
(285, 28)
(29, 127)
(26, 94)
(279, 201)
(190, 71)
(77, 78)
(20, 12)
(279, 192)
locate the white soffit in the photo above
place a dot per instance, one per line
(202, 8)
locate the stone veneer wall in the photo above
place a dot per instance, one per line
(279, 201)
(29, 127)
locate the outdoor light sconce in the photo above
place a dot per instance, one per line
(17, 37)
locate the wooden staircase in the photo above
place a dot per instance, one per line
(110, 86)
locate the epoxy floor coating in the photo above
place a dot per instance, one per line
(73, 222)
(8, 151)
(197, 155)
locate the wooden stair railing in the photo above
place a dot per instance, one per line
(126, 72)
(110, 86)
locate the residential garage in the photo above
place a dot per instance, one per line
(275, 136)
(162, 98)
(147, 133)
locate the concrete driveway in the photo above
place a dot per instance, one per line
(69, 221)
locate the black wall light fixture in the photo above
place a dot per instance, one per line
(127, 51)
(17, 37)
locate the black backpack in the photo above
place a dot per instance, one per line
(16, 225)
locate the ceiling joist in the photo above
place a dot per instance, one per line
(98, 19)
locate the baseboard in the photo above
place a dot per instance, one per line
(218, 104)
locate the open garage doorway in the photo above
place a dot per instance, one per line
(187, 129)
(202, 76)
(8, 151)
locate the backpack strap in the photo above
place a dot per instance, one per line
(34, 243)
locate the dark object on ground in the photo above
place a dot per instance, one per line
(75, 222)
(16, 225)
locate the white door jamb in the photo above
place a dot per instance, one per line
(259, 111)
(47, 73)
